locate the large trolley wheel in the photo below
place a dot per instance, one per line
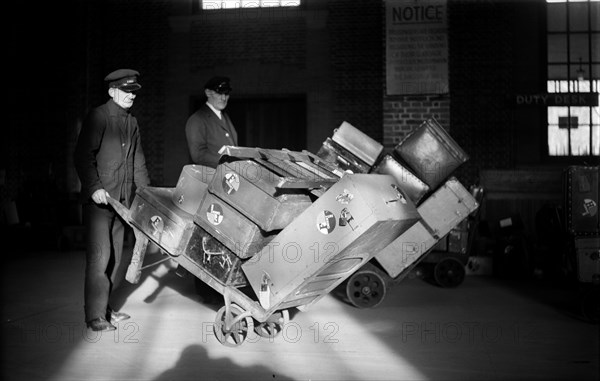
(365, 289)
(449, 272)
(273, 325)
(239, 329)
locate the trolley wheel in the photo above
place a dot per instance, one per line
(449, 272)
(365, 289)
(238, 332)
(273, 325)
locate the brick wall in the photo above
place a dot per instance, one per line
(356, 54)
(481, 78)
(131, 34)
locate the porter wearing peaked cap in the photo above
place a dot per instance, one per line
(124, 79)
(219, 85)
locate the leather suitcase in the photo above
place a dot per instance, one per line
(357, 217)
(411, 184)
(191, 186)
(357, 142)
(587, 251)
(175, 232)
(581, 200)
(447, 207)
(340, 157)
(431, 153)
(230, 227)
(441, 212)
(154, 213)
(206, 252)
(252, 189)
(405, 252)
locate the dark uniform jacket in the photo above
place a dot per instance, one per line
(109, 154)
(206, 134)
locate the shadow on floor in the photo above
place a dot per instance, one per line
(192, 365)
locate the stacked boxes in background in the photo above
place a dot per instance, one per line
(582, 220)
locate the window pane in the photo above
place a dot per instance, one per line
(557, 71)
(596, 140)
(579, 47)
(595, 47)
(595, 16)
(557, 141)
(250, 3)
(578, 16)
(580, 141)
(582, 114)
(557, 20)
(557, 48)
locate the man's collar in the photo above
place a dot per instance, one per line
(115, 109)
(217, 112)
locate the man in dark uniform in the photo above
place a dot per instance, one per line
(210, 128)
(110, 163)
(206, 131)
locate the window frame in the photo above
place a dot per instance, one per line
(571, 82)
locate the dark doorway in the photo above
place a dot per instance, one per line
(267, 122)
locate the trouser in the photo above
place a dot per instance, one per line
(104, 251)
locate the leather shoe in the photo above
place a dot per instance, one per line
(116, 317)
(100, 324)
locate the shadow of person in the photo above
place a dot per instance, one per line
(194, 364)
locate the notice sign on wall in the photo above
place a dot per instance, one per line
(416, 47)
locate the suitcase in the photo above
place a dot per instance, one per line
(191, 186)
(406, 251)
(208, 253)
(441, 212)
(357, 142)
(154, 213)
(340, 157)
(252, 189)
(175, 232)
(338, 233)
(299, 170)
(230, 227)
(581, 200)
(587, 252)
(411, 184)
(447, 207)
(456, 241)
(431, 153)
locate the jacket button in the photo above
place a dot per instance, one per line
(227, 134)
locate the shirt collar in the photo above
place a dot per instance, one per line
(115, 109)
(218, 112)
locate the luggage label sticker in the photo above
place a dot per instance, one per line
(590, 207)
(214, 214)
(345, 197)
(325, 222)
(230, 182)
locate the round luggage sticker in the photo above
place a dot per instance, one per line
(325, 222)
(231, 182)
(214, 214)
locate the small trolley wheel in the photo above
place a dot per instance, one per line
(273, 325)
(238, 331)
(449, 272)
(365, 289)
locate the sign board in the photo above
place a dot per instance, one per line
(558, 99)
(416, 47)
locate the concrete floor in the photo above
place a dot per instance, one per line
(486, 329)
